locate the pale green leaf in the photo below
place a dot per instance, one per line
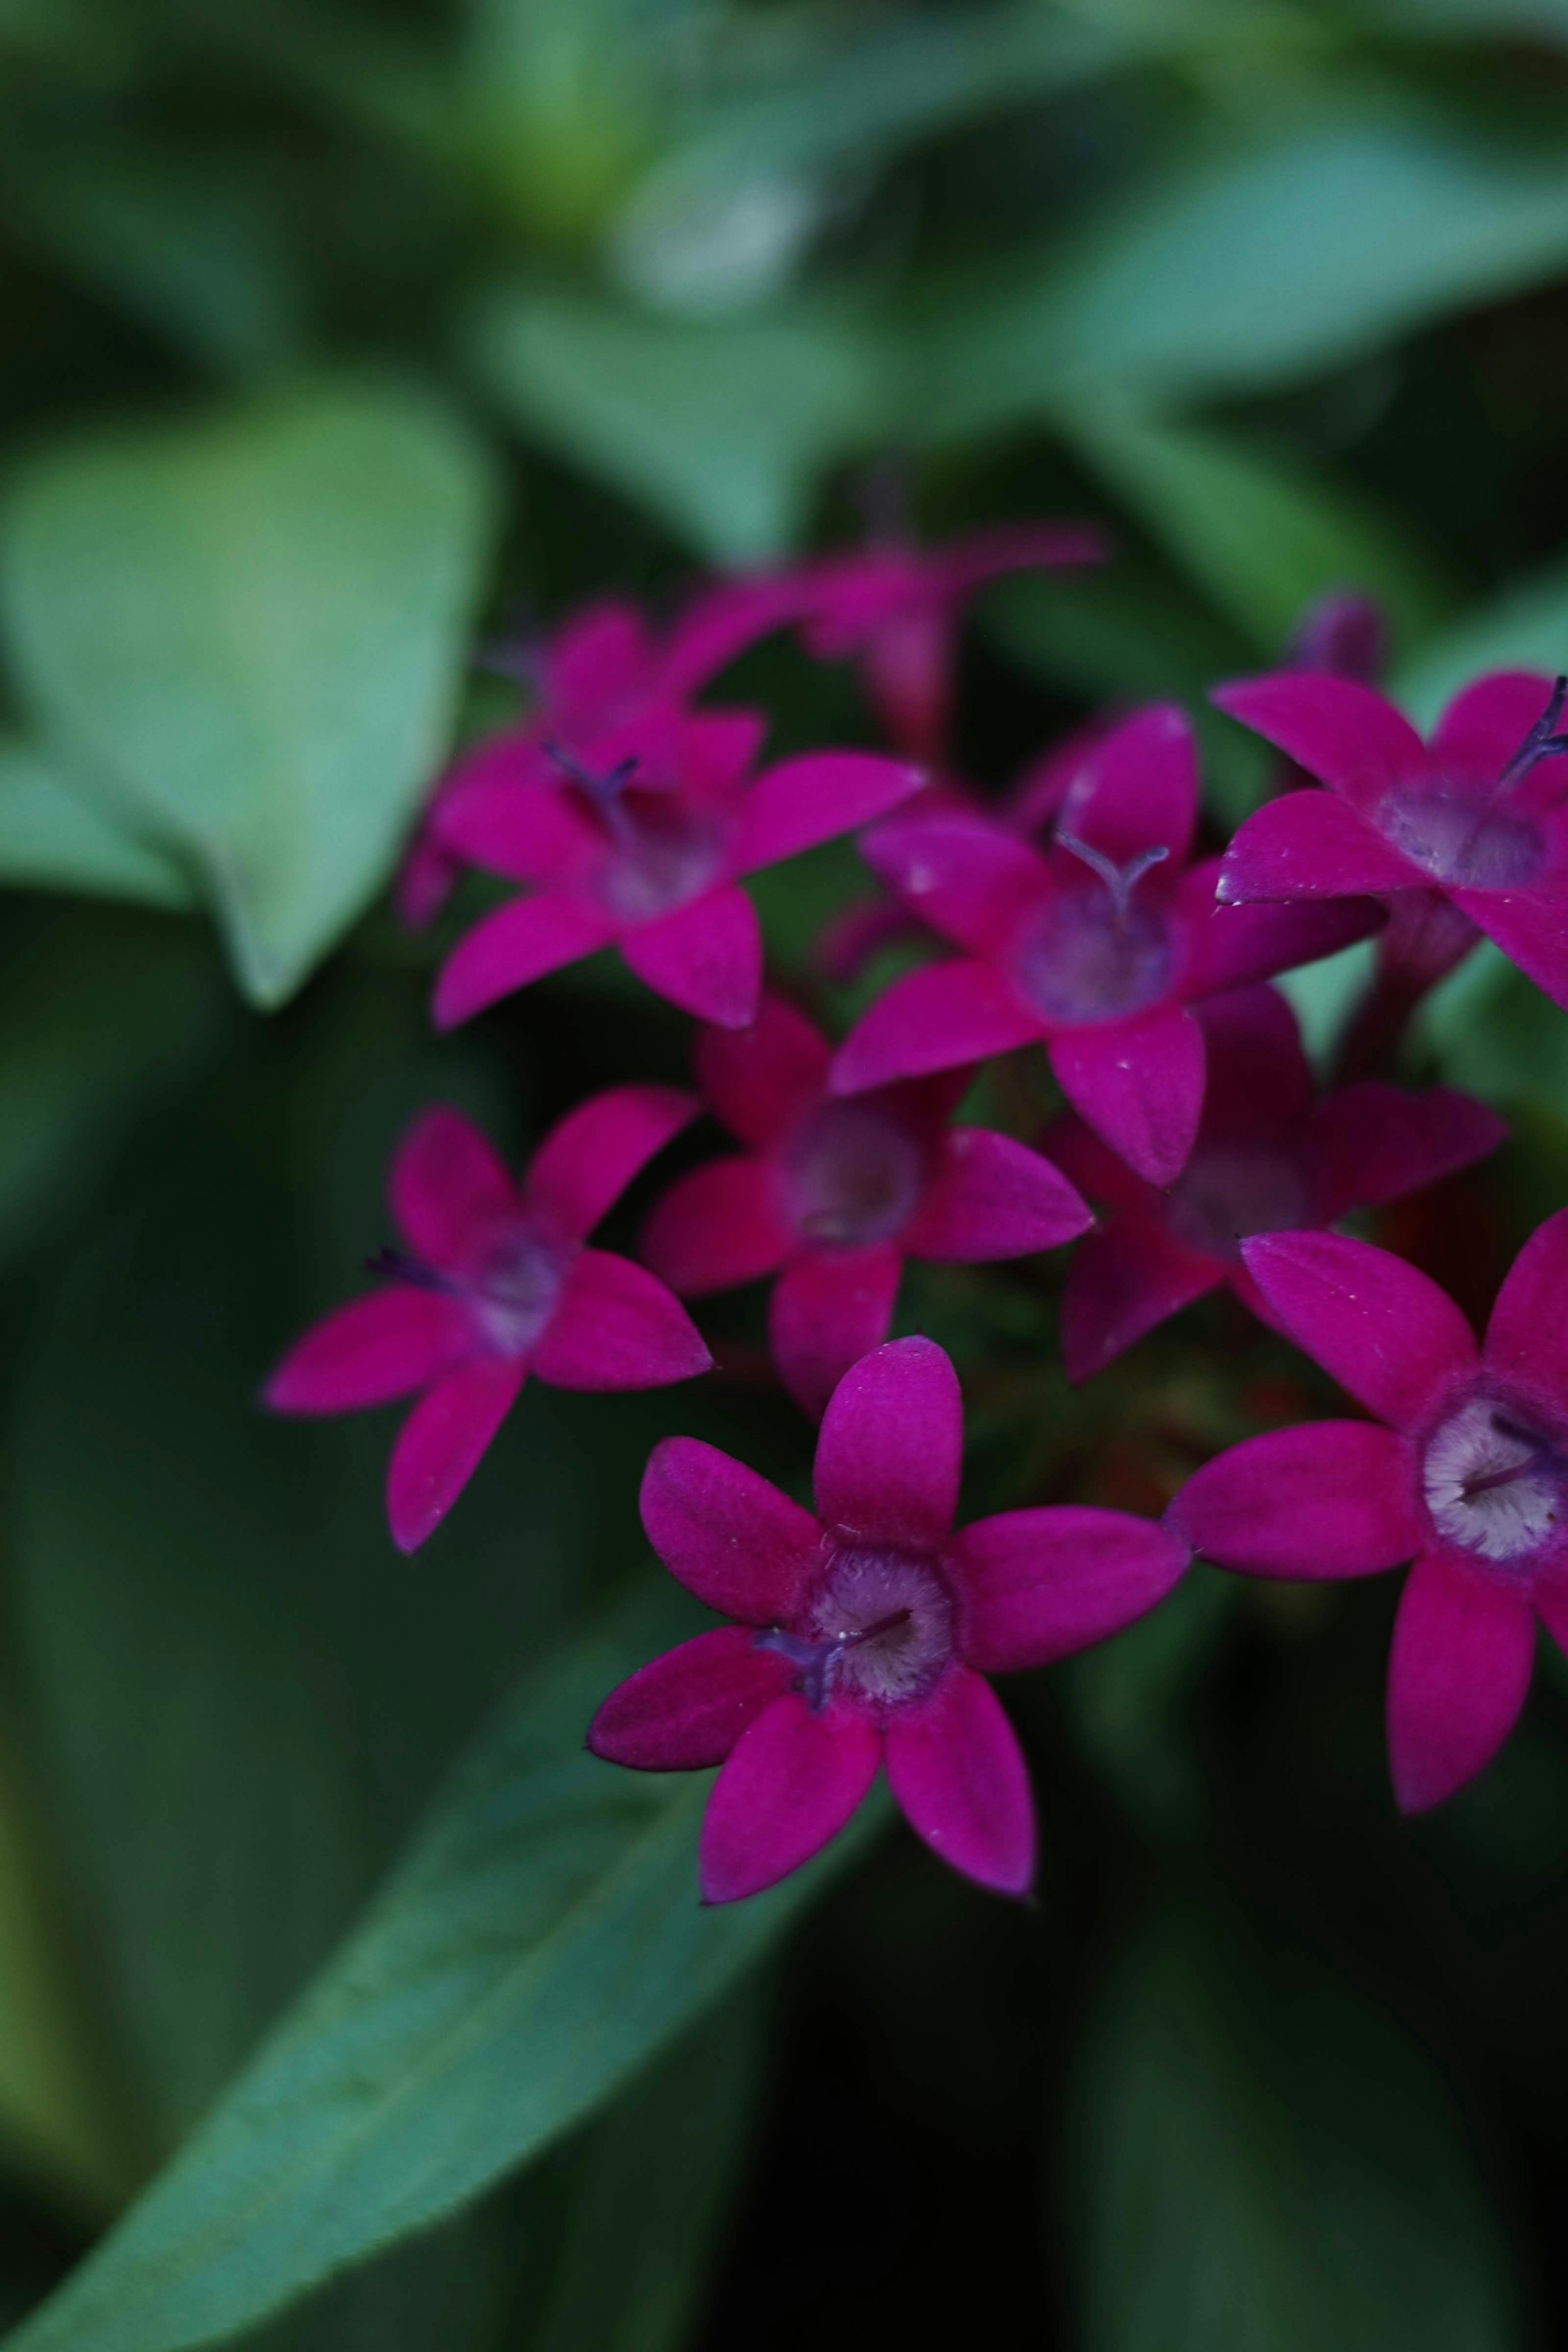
(56, 836)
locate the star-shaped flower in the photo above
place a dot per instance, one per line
(1464, 1472)
(864, 1632)
(496, 1284)
(833, 1193)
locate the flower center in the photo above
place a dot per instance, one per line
(1462, 829)
(511, 1293)
(1227, 1191)
(879, 1628)
(1494, 1484)
(660, 854)
(852, 1172)
(1093, 954)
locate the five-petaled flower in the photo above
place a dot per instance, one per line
(1468, 1477)
(644, 850)
(496, 1284)
(1098, 947)
(834, 1192)
(864, 1632)
(1478, 815)
(1270, 1158)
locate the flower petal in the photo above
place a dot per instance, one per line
(599, 655)
(1531, 927)
(1033, 1586)
(954, 1767)
(372, 1350)
(1485, 725)
(942, 1018)
(1260, 1080)
(1137, 788)
(525, 831)
(815, 798)
(1372, 1143)
(721, 623)
(982, 555)
(1385, 1332)
(1459, 1674)
(443, 1443)
(829, 1309)
(1139, 1084)
(1121, 1283)
(449, 1187)
(891, 1447)
(1346, 735)
(968, 879)
(721, 1226)
(1527, 1337)
(727, 1533)
(990, 1197)
(1311, 844)
(589, 1158)
(616, 1326)
(1331, 1498)
(707, 957)
(688, 1708)
(1093, 1166)
(761, 1079)
(1227, 947)
(791, 1782)
(517, 943)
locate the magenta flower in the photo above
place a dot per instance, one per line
(864, 1633)
(832, 1194)
(496, 1284)
(1476, 816)
(1468, 1479)
(1269, 1159)
(1096, 947)
(893, 608)
(644, 851)
(603, 666)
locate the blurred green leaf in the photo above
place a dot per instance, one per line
(249, 631)
(1526, 627)
(1266, 2161)
(721, 428)
(55, 836)
(542, 1939)
(1131, 1700)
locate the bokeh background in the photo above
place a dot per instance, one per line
(339, 343)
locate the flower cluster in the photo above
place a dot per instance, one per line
(1195, 1150)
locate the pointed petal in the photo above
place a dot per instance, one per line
(599, 655)
(718, 750)
(954, 1767)
(449, 1187)
(372, 1350)
(1484, 727)
(1139, 1084)
(791, 1782)
(1331, 1498)
(707, 957)
(517, 943)
(589, 1158)
(1385, 1332)
(1034, 1585)
(968, 879)
(1311, 844)
(727, 1533)
(989, 1198)
(1258, 1077)
(721, 624)
(1531, 927)
(981, 555)
(941, 1018)
(829, 1309)
(906, 669)
(1527, 1337)
(1551, 1607)
(761, 1079)
(892, 1446)
(815, 798)
(527, 832)
(1346, 735)
(688, 1708)
(1137, 790)
(1227, 947)
(1459, 1674)
(1371, 1143)
(616, 1326)
(1121, 1283)
(441, 1443)
(1093, 1166)
(721, 1226)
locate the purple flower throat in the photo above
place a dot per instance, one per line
(661, 854)
(1095, 954)
(878, 1630)
(1494, 1484)
(511, 1294)
(1473, 837)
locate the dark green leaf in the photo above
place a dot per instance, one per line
(1526, 627)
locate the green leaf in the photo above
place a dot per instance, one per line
(720, 427)
(248, 633)
(542, 1941)
(1268, 2162)
(54, 835)
(1526, 627)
